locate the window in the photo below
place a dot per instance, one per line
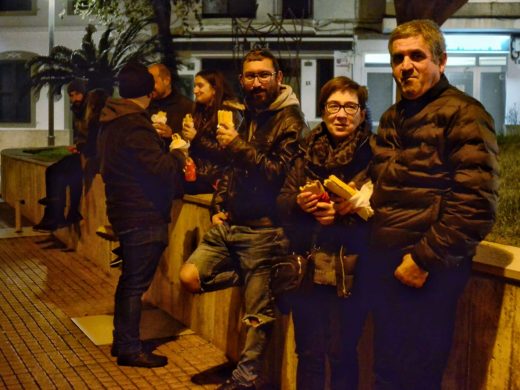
(16, 5)
(15, 96)
(228, 9)
(297, 9)
(324, 73)
(71, 5)
(381, 92)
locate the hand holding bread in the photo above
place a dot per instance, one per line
(226, 131)
(345, 191)
(188, 128)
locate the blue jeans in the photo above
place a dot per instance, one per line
(231, 255)
(142, 249)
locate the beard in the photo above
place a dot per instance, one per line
(261, 97)
(76, 107)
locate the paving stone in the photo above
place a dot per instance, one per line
(40, 347)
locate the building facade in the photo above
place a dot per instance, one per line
(316, 40)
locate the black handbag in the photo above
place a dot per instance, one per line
(290, 273)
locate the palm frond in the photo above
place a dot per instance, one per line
(96, 64)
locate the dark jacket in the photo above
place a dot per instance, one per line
(176, 107)
(258, 166)
(435, 177)
(137, 172)
(348, 164)
(210, 158)
(86, 124)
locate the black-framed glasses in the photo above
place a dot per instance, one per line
(263, 77)
(350, 108)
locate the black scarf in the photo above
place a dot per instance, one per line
(325, 157)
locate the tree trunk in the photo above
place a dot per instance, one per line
(162, 10)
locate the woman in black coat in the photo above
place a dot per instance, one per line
(328, 318)
(212, 93)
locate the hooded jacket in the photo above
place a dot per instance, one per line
(259, 160)
(137, 172)
(435, 175)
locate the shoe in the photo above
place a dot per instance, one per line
(47, 225)
(232, 384)
(73, 217)
(142, 359)
(106, 232)
(117, 262)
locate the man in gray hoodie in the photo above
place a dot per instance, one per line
(246, 233)
(139, 176)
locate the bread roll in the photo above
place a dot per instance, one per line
(343, 190)
(225, 116)
(159, 117)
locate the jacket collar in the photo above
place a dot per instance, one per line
(409, 108)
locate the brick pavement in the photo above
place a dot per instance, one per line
(41, 348)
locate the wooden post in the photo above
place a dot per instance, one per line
(18, 215)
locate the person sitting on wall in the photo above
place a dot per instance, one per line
(69, 171)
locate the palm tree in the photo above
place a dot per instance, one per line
(97, 65)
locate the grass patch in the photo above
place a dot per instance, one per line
(507, 226)
(48, 154)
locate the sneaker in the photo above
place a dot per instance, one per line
(232, 384)
(142, 359)
(106, 232)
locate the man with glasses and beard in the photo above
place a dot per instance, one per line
(246, 232)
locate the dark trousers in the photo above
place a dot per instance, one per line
(413, 328)
(327, 329)
(64, 173)
(142, 249)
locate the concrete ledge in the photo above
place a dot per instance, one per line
(486, 351)
(498, 260)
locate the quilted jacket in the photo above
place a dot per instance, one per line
(435, 175)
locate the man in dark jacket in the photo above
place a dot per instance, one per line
(246, 234)
(81, 163)
(138, 176)
(435, 191)
(169, 100)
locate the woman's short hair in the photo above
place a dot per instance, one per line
(342, 83)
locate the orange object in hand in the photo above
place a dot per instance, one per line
(190, 171)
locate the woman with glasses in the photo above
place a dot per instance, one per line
(212, 93)
(327, 318)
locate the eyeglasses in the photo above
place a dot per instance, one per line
(350, 108)
(263, 77)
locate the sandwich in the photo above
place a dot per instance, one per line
(178, 142)
(343, 190)
(159, 117)
(315, 187)
(187, 119)
(225, 116)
